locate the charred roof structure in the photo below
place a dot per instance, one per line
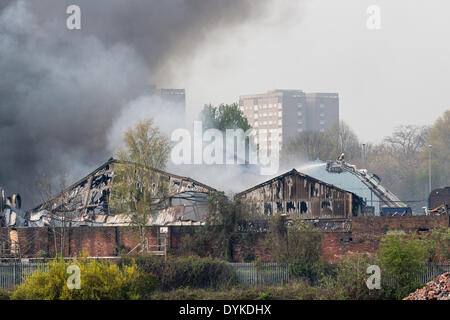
(299, 195)
(439, 201)
(86, 202)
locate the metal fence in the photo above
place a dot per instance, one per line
(252, 274)
(261, 274)
(432, 270)
(12, 274)
(278, 274)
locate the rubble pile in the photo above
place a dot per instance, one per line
(438, 289)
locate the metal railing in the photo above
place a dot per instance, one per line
(13, 274)
(252, 274)
(431, 271)
(261, 274)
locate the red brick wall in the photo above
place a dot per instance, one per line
(177, 235)
(128, 237)
(95, 241)
(366, 233)
(364, 236)
(368, 224)
(31, 240)
(242, 252)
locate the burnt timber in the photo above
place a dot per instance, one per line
(86, 202)
(299, 195)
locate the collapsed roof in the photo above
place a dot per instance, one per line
(86, 203)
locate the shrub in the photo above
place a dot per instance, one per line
(348, 279)
(5, 295)
(192, 271)
(311, 271)
(402, 258)
(299, 244)
(440, 237)
(99, 280)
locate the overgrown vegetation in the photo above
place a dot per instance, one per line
(221, 229)
(180, 272)
(402, 258)
(299, 245)
(100, 280)
(440, 244)
(292, 291)
(5, 294)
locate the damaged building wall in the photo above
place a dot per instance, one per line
(299, 195)
(86, 202)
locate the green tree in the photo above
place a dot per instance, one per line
(225, 116)
(402, 257)
(138, 191)
(146, 146)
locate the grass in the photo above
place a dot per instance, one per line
(293, 291)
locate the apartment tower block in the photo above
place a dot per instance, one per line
(292, 112)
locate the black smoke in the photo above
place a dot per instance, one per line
(61, 90)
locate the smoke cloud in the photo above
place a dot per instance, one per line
(63, 93)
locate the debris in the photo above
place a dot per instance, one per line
(86, 203)
(438, 289)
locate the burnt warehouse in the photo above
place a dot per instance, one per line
(299, 195)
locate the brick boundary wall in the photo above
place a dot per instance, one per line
(95, 241)
(364, 236)
(366, 233)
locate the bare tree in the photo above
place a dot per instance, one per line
(59, 211)
(325, 145)
(408, 140)
(347, 141)
(309, 145)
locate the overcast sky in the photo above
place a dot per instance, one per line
(64, 92)
(396, 75)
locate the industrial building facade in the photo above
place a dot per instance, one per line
(291, 112)
(299, 195)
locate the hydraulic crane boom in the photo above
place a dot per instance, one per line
(370, 180)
